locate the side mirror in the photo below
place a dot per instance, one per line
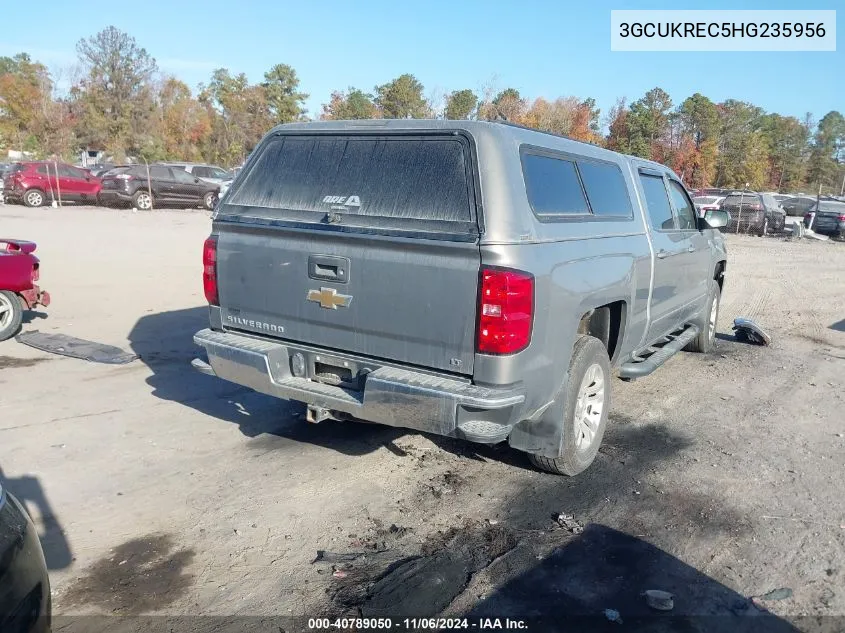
(196, 179)
(716, 219)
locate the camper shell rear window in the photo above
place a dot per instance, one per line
(390, 181)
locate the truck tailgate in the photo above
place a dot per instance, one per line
(389, 269)
(412, 301)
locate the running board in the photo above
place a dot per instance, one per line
(659, 355)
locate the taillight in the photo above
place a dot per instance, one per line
(841, 218)
(35, 274)
(505, 311)
(209, 271)
(124, 177)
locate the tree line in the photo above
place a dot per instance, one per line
(121, 103)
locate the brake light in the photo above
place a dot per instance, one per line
(841, 218)
(124, 176)
(209, 271)
(35, 274)
(505, 311)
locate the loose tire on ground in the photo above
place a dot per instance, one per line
(34, 198)
(706, 339)
(589, 373)
(11, 314)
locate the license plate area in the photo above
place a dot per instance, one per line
(337, 372)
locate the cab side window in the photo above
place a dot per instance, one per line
(683, 206)
(659, 210)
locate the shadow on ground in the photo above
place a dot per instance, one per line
(28, 490)
(605, 569)
(30, 316)
(839, 326)
(164, 342)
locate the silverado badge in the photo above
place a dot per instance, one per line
(328, 298)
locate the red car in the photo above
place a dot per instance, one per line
(38, 183)
(19, 270)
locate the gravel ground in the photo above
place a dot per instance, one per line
(158, 490)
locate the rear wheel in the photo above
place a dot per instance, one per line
(142, 200)
(34, 198)
(209, 200)
(11, 314)
(587, 401)
(706, 339)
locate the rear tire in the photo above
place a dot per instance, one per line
(585, 407)
(209, 200)
(11, 314)
(142, 200)
(34, 198)
(706, 339)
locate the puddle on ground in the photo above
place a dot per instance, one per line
(141, 576)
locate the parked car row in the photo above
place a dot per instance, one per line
(39, 183)
(760, 213)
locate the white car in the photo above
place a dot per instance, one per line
(707, 203)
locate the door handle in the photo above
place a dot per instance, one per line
(328, 268)
(691, 249)
(662, 254)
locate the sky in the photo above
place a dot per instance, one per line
(539, 47)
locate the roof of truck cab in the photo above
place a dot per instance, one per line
(498, 129)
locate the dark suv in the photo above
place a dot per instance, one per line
(753, 212)
(169, 186)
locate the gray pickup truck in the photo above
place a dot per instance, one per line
(471, 279)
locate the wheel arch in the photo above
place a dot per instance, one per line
(607, 323)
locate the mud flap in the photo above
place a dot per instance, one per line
(542, 433)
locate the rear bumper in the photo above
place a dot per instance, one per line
(388, 395)
(828, 228)
(113, 195)
(35, 297)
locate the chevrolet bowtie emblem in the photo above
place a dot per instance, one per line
(328, 298)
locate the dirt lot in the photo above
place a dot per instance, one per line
(159, 490)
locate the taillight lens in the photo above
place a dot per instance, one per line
(35, 272)
(841, 218)
(209, 271)
(505, 311)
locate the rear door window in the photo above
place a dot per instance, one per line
(399, 179)
(606, 190)
(552, 186)
(159, 173)
(748, 199)
(657, 201)
(184, 177)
